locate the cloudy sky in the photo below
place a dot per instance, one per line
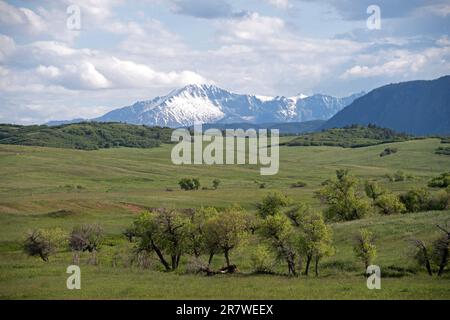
(132, 50)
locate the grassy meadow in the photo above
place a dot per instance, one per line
(48, 187)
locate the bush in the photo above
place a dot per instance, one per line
(388, 151)
(440, 201)
(443, 151)
(189, 184)
(216, 183)
(398, 176)
(442, 181)
(389, 203)
(298, 184)
(87, 237)
(416, 200)
(43, 243)
(262, 260)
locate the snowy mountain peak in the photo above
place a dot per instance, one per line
(299, 96)
(207, 103)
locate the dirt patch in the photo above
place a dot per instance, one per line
(134, 208)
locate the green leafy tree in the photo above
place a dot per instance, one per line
(225, 231)
(196, 230)
(272, 204)
(278, 230)
(163, 232)
(344, 201)
(365, 248)
(315, 239)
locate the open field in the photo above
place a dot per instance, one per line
(111, 186)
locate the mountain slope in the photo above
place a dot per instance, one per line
(415, 107)
(210, 104)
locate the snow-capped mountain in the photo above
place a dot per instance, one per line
(210, 104)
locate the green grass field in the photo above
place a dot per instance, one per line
(112, 186)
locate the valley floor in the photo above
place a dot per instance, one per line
(46, 188)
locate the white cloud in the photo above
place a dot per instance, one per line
(440, 10)
(253, 27)
(401, 63)
(7, 47)
(13, 16)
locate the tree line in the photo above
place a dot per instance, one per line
(293, 234)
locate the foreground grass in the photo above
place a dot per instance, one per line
(112, 186)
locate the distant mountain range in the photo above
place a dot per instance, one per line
(210, 104)
(415, 107)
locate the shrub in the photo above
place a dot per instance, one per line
(398, 176)
(43, 242)
(298, 184)
(440, 200)
(87, 237)
(389, 203)
(442, 181)
(262, 260)
(388, 151)
(416, 200)
(216, 183)
(189, 184)
(443, 151)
